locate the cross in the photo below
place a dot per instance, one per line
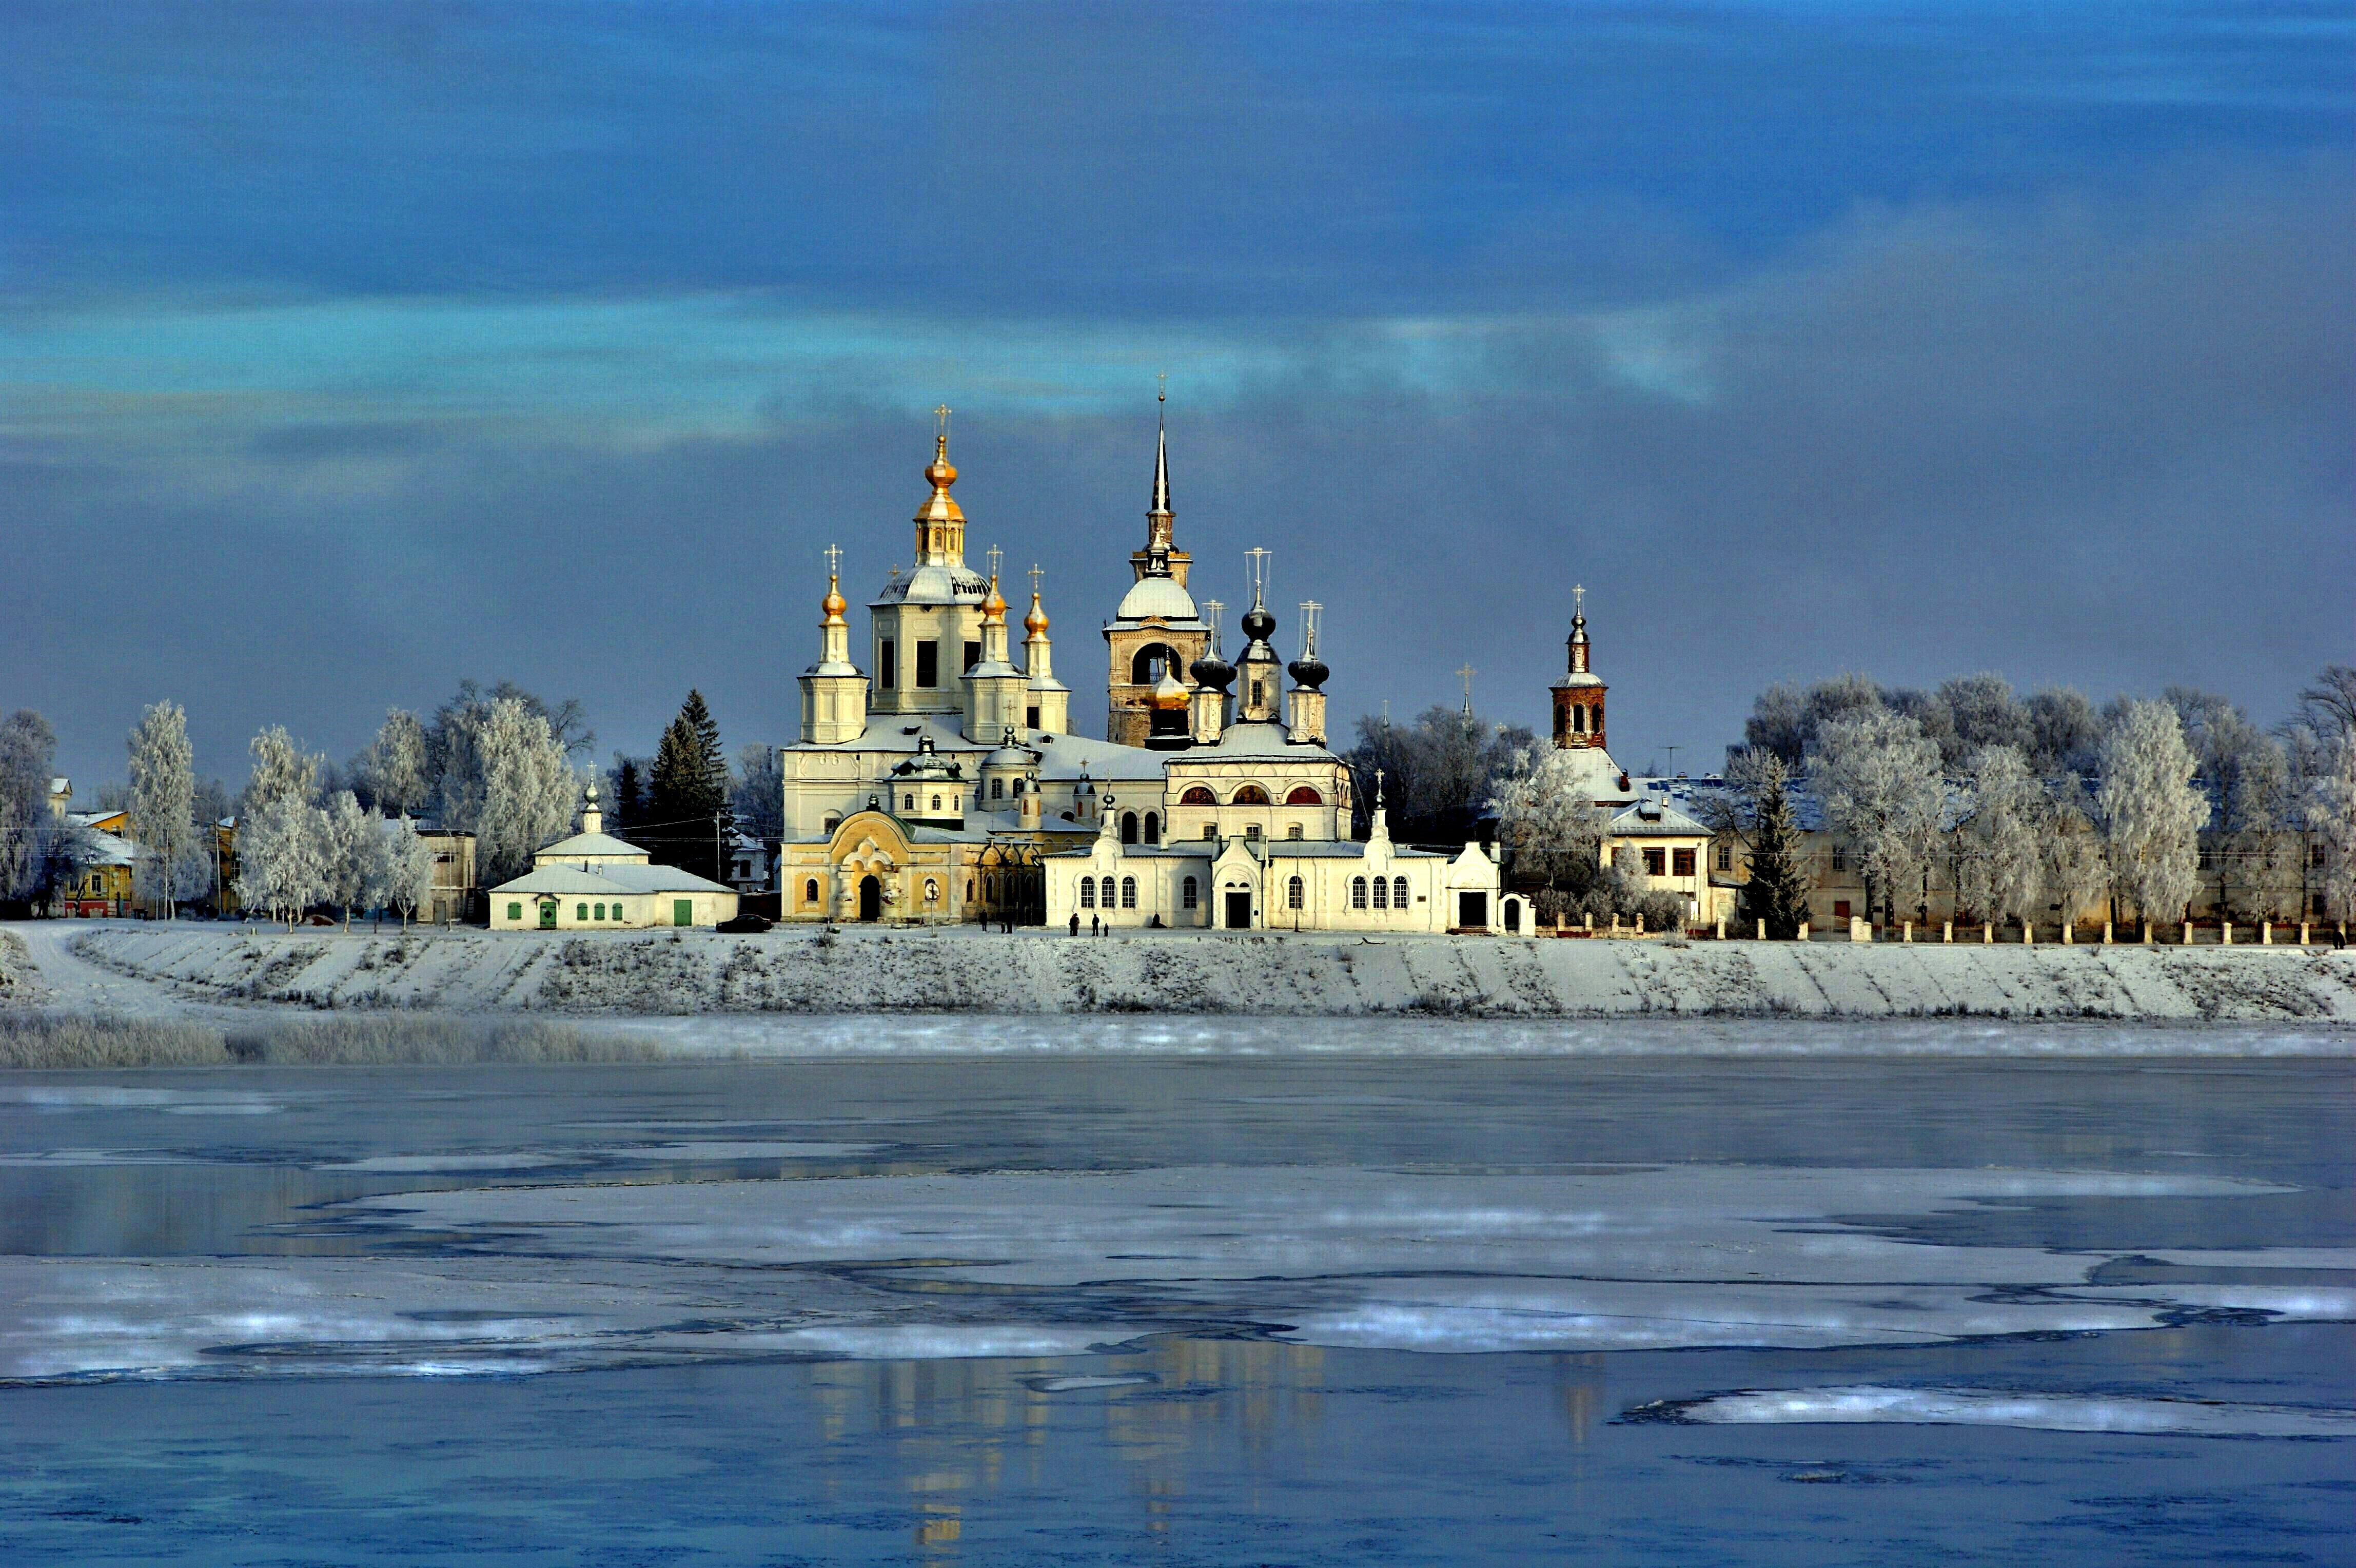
(942, 414)
(1468, 673)
(1163, 395)
(1579, 599)
(992, 556)
(834, 560)
(1036, 573)
(1258, 559)
(1309, 610)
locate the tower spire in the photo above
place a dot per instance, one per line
(1158, 519)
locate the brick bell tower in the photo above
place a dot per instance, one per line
(1578, 696)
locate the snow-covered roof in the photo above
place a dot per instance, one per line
(1653, 817)
(1062, 757)
(1160, 598)
(1255, 738)
(934, 584)
(592, 846)
(609, 878)
(105, 849)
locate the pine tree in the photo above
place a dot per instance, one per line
(691, 820)
(1777, 892)
(629, 794)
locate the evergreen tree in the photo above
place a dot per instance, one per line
(1777, 892)
(629, 790)
(689, 819)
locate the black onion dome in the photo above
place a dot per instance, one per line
(1310, 671)
(1213, 672)
(1258, 623)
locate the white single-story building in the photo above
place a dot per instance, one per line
(594, 882)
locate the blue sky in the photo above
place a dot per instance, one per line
(347, 351)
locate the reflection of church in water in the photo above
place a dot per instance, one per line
(943, 783)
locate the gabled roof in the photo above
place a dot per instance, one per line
(610, 879)
(1653, 817)
(591, 846)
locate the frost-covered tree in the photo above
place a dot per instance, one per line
(528, 790)
(354, 849)
(759, 796)
(1878, 776)
(403, 869)
(27, 749)
(453, 751)
(2151, 814)
(397, 765)
(1548, 821)
(1787, 721)
(283, 838)
(2075, 872)
(1777, 891)
(2066, 731)
(2330, 810)
(2000, 859)
(161, 807)
(1985, 712)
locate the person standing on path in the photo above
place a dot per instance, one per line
(1075, 922)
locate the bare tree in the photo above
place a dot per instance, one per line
(2151, 814)
(1878, 777)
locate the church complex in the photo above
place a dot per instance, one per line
(943, 781)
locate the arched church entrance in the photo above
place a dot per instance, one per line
(871, 898)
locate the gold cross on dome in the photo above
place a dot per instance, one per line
(992, 555)
(834, 560)
(1036, 575)
(1468, 673)
(1579, 598)
(942, 414)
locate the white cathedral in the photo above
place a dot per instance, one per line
(947, 786)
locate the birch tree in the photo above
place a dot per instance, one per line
(27, 749)
(2075, 872)
(2331, 818)
(2000, 870)
(528, 790)
(404, 867)
(163, 805)
(283, 841)
(353, 848)
(2150, 813)
(1548, 820)
(1878, 776)
(396, 764)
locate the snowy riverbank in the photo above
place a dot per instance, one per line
(968, 969)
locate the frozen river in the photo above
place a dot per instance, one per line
(1419, 1307)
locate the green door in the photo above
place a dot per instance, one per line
(548, 914)
(682, 911)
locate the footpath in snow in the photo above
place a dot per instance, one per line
(967, 970)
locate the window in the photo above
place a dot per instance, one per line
(887, 668)
(1146, 665)
(1197, 796)
(973, 655)
(1251, 830)
(1210, 830)
(1398, 892)
(1031, 717)
(1152, 827)
(1128, 892)
(908, 802)
(1295, 893)
(1726, 857)
(1595, 725)
(1188, 894)
(1656, 862)
(515, 911)
(579, 911)
(831, 823)
(1251, 794)
(1104, 891)
(1841, 857)
(1128, 827)
(1382, 894)
(1087, 892)
(1681, 863)
(1260, 694)
(968, 889)
(1357, 893)
(936, 803)
(928, 664)
(932, 891)
(1018, 788)
(997, 788)
(1303, 795)
(1579, 721)
(809, 891)
(600, 913)
(1293, 831)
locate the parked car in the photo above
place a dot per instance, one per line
(737, 924)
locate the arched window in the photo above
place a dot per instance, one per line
(1357, 893)
(1398, 891)
(968, 889)
(1579, 721)
(1296, 893)
(1087, 892)
(1597, 725)
(932, 891)
(579, 911)
(908, 802)
(1189, 895)
(1382, 894)
(600, 913)
(1128, 892)
(831, 823)
(1104, 891)
(809, 891)
(936, 803)
(997, 788)
(1303, 795)
(1152, 827)
(1251, 794)
(1128, 827)
(1018, 788)
(1196, 795)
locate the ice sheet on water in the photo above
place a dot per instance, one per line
(114, 1097)
(2043, 1412)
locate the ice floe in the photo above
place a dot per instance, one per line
(1977, 1407)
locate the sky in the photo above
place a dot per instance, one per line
(347, 351)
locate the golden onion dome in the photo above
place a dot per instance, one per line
(1036, 621)
(994, 606)
(834, 603)
(941, 474)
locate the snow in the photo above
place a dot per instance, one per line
(966, 970)
(2041, 1412)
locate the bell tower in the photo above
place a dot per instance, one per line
(1578, 694)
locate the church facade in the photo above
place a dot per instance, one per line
(942, 783)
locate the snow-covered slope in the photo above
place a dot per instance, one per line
(965, 970)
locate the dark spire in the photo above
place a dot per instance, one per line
(1160, 458)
